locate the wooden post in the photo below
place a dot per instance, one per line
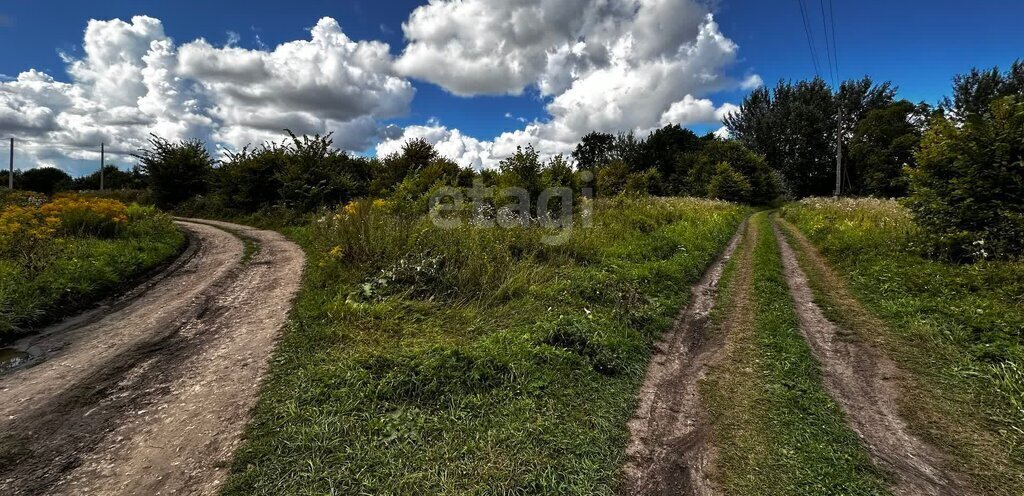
(10, 171)
(102, 166)
(839, 155)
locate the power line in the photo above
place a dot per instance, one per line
(835, 51)
(828, 50)
(810, 38)
(33, 143)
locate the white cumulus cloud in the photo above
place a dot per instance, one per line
(133, 80)
(606, 65)
(598, 65)
(465, 150)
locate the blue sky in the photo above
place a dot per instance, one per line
(919, 45)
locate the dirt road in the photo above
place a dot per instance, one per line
(671, 450)
(863, 381)
(668, 448)
(150, 395)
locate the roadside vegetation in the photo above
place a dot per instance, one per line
(955, 327)
(776, 429)
(60, 254)
(473, 360)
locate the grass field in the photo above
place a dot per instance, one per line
(56, 260)
(471, 360)
(776, 429)
(956, 328)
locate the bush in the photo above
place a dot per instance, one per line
(251, 179)
(21, 198)
(882, 146)
(126, 196)
(317, 175)
(24, 234)
(967, 189)
(729, 185)
(45, 180)
(612, 178)
(523, 170)
(52, 263)
(698, 169)
(114, 179)
(26, 230)
(177, 171)
(642, 183)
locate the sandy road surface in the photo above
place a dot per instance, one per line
(150, 395)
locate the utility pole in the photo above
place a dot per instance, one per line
(102, 166)
(839, 155)
(10, 171)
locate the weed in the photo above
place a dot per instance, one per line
(486, 361)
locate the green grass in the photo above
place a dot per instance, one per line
(776, 429)
(76, 271)
(422, 360)
(958, 329)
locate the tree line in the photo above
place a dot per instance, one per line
(50, 180)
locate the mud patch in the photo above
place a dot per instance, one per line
(11, 358)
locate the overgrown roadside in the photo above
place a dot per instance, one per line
(63, 255)
(472, 360)
(940, 406)
(776, 430)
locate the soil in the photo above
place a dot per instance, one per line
(668, 448)
(150, 394)
(865, 383)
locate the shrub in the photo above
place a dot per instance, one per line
(251, 179)
(882, 145)
(523, 170)
(612, 178)
(177, 171)
(729, 185)
(967, 189)
(21, 198)
(317, 175)
(389, 171)
(126, 196)
(52, 263)
(114, 179)
(45, 180)
(642, 183)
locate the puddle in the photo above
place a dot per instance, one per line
(11, 358)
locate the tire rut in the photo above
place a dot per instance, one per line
(668, 449)
(175, 369)
(863, 381)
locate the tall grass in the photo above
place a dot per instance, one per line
(471, 360)
(59, 255)
(959, 327)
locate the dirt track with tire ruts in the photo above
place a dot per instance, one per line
(150, 394)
